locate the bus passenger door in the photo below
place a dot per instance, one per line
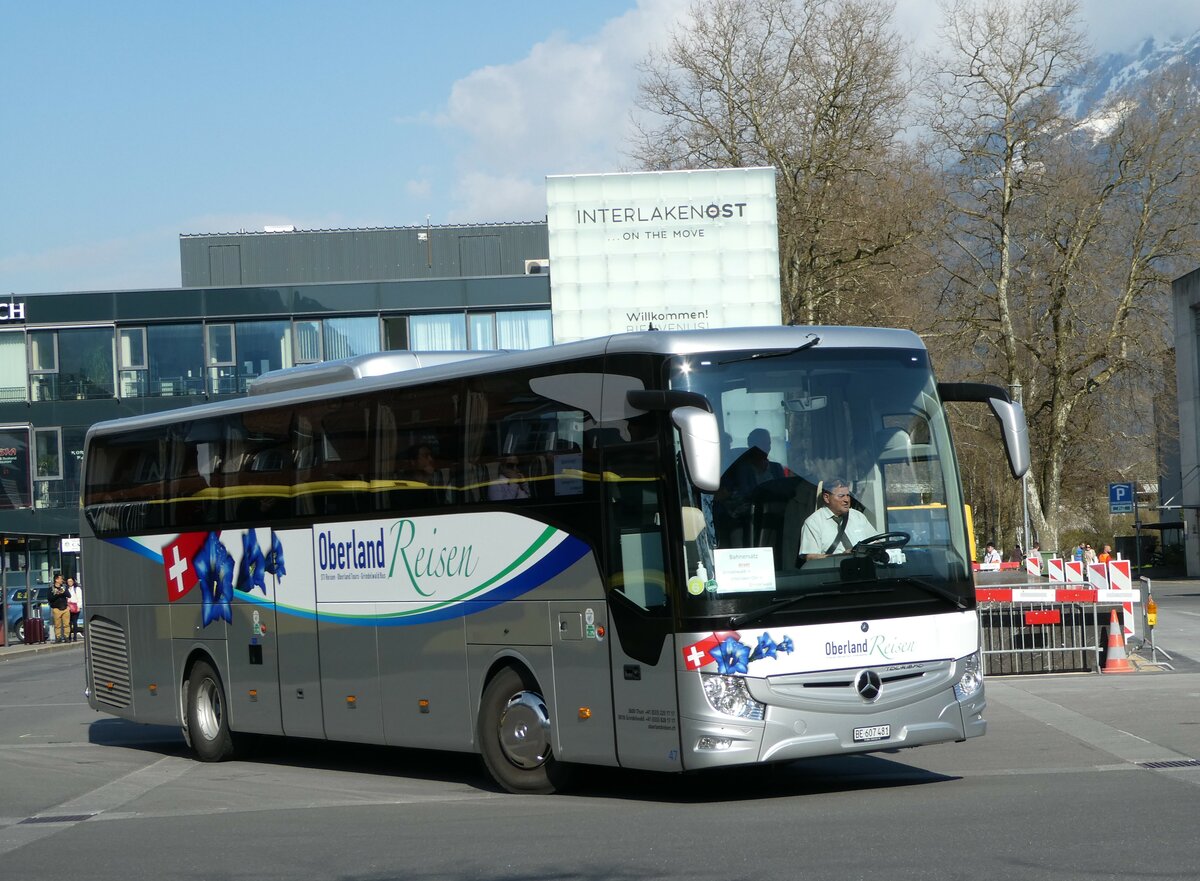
(253, 644)
(645, 704)
(296, 635)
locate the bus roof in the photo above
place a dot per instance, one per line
(356, 367)
(386, 369)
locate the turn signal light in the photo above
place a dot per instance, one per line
(585, 712)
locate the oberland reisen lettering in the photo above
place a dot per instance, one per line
(883, 646)
(711, 211)
(352, 554)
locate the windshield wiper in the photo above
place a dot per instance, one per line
(737, 622)
(758, 356)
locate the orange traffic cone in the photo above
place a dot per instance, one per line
(1116, 661)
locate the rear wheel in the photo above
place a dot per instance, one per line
(515, 736)
(207, 722)
(19, 630)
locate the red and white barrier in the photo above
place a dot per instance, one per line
(1120, 577)
(1055, 595)
(1071, 581)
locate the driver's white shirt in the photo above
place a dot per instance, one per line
(821, 528)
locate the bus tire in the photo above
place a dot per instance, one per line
(207, 715)
(515, 736)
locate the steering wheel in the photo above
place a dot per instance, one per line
(881, 542)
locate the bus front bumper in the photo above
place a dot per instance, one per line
(789, 733)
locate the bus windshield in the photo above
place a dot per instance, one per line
(839, 494)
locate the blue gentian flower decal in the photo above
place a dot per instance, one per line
(731, 656)
(765, 648)
(786, 645)
(274, 560)
(214, 567)
(252, 569)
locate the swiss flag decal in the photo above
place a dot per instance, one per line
(177, 563)
(696, 655)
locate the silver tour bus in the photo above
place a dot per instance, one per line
(597, 553)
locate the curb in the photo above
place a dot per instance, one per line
(8, 652)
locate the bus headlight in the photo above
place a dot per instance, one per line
(729, 695)
(971, 681)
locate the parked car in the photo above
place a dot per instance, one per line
(15, 618)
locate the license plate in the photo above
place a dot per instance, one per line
(874, 732)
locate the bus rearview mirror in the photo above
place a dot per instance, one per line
(701, 444)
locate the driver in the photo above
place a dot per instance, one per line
(835, 527)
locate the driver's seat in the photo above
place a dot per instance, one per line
(798, 509)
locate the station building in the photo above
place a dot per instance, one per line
(249, 303)
(1185, 496)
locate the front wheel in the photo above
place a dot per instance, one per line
(206, 721)
(515, 736)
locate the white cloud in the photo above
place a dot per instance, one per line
(564, 108)
(418, 189)
(1110, 25)
(1122, 26)
(482, 197)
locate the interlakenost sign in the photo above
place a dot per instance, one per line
(671, 250)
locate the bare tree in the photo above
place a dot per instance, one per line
(815, 88)
(1062, 234)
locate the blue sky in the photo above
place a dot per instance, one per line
(124, 124)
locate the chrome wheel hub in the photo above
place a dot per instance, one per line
(525, 730)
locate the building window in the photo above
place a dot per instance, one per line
(16, 486)
(70, 364)
(347, 337)
(43, 351)
(483, 331)
(442, 332)
(175, 359)
(307, 334)
(261, 346)
(395, 333)
(131, 361)
(222, 374)
(47, 445)
(238, 353)
(527, 329)
(47, 467)
(14, 371)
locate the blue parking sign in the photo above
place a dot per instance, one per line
(1120, 498)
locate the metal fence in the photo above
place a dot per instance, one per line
(1027, 628)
